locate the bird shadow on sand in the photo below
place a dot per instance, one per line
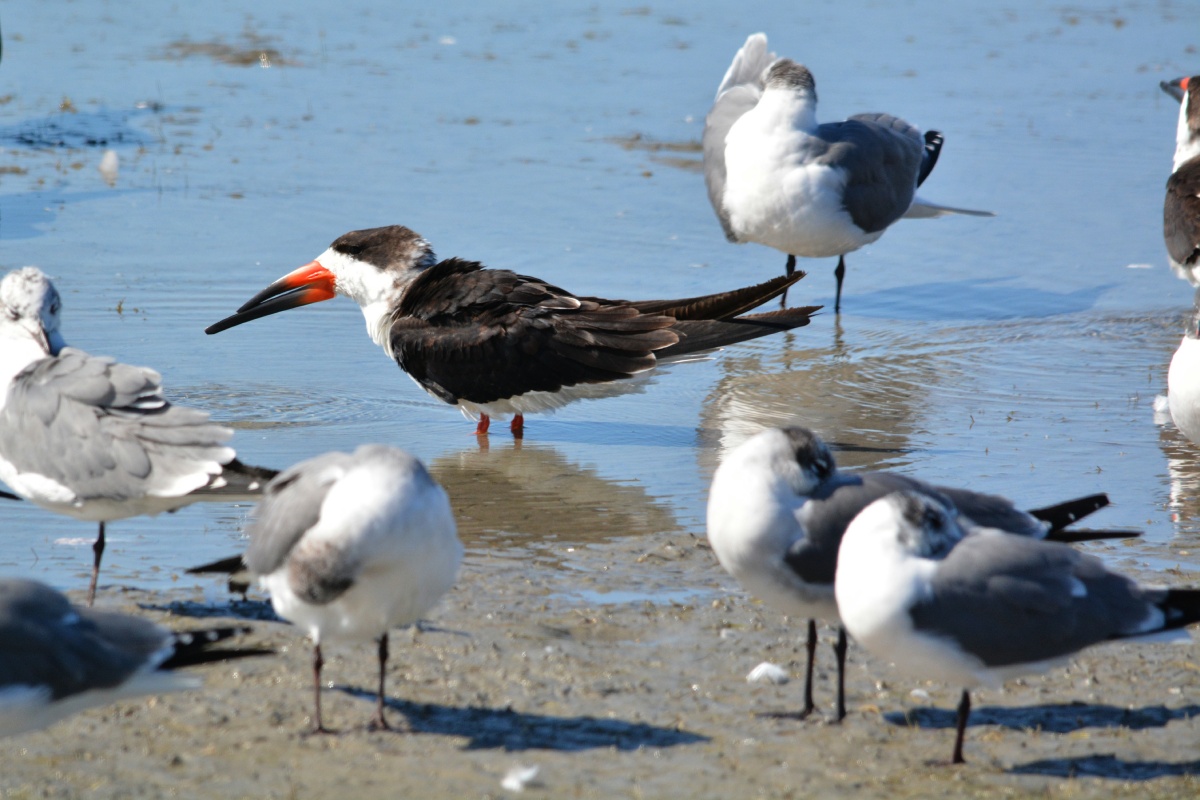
(1048, 718)
(1107, 766)
(237, 609)
(1063, 718)
(514, 731)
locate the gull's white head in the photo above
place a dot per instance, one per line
(30, 308)
(916, 524)
(796, 458)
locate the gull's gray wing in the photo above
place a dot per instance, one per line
(1014, 600)
(881, 156)
(46, 642)
(993, 511)
(105, 431)
(830, 510)
(291, 506)
(738, 93)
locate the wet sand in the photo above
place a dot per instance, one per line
(539, 658)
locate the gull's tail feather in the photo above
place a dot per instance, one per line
(924, 209)
(192, 647)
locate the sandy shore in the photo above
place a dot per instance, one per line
(542, 657)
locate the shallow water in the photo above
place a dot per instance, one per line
(1019, 354)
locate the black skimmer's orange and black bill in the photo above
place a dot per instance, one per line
(778, 178)
(57, 659)
(352, 544)
(95, 439)
(497, 343)
(1181, 209)
(779, 507)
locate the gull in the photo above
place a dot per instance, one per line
(94, 439)
(495, 343)
(1183, 380)
(777, 177)
(57, 659)
(778, 508)
(982, 606)
(350, 545)
(1181, 209)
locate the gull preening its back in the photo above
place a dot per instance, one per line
(777, 177)
(350, 545)
(95, 439)
(981, 606)
(495, 343)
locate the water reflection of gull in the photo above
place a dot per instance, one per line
(866, 397)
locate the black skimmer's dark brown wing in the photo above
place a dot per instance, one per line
(1181, 215)
(466, 333)
(1181, 207)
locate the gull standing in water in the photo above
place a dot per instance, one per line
(1183, 380)
(495, 343)
(352, 545)
(778, 508)
(777, 177)
(57, 659)
(983, 606)
(95, 439)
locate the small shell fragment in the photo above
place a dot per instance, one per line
(109, 166)
(766, 672)
(517, 778)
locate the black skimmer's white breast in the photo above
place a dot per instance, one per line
(95, 439)
(350, 545)
(1181, 210)
(57, 659)
(983, 606)
(495, 343)
(777, 177)
(779, 507)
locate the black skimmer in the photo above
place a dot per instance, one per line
(1181, 210)
(352, 545)
(778, 178)
(57, 659)
(496, 343)
(778, 509)
(95, 439)
(983, 606)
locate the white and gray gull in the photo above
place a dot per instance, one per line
(778, 508)
(981, 606)
(1183, 380)
(57, 659)
(777, 177)
(495, 343)
(350, 545)
(95, 439)
(1181, 208)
